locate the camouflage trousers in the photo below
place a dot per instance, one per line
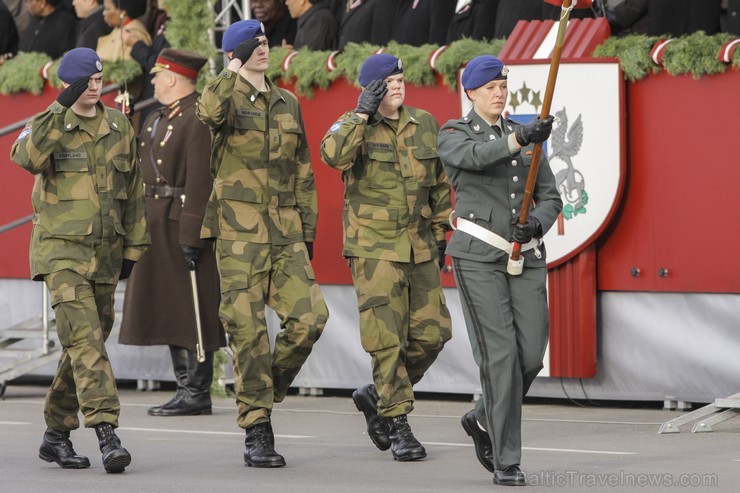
(404, 324)
(84, 378)
(281, 277)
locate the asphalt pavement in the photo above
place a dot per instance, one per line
(567, 447)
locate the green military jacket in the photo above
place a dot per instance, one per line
(489, 186)
(264, 189)
(397, 196)
(88, 197)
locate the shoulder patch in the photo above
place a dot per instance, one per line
(335, 127)
(25, 132)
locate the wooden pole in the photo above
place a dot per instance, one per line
(546, 105)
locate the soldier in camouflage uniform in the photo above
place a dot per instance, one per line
(396, 208)
(89, 230)
(262, 213)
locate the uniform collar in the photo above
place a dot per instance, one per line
(405, 118)
(479, 125)
(72, 121)
(252, 93)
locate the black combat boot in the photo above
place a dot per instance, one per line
(404, 446)
(260, 451)
(115, 457)
(180, 359)
(196, 397)
(57, 447)
(366, 400)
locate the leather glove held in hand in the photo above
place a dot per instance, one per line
(72, 93)
(309, 247)
(533, 132)
(244, 50)
(371, 97)
(441, 247)
(126, 267)
(191, 255)
(523, 233)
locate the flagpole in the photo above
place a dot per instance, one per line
(516, 263)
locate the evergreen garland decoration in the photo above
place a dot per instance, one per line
(275, 62)
(350, 60)
(187, 29)
(121, 71)
(307, 70)
(460, 52)
(695, 54)
(415, 59)
(22, 73)
(633, 53)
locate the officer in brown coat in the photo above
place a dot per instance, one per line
(174, 156)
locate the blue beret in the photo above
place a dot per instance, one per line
(79, 63)
(379, 67)
(481, 70)
(241, 31)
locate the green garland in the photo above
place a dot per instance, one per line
(22, 73)
(459, 53)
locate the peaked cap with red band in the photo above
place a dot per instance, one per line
(181, 62)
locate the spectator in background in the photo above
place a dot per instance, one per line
(21, 15)
(146, 53)
(512, 11)
(280, 28)
(732, 18)
(627, 16)
(421, 22)
(91, 25)
(51, 30)
(368, 21)
(678, 17)
(317, 27)
(8, 34)
(121, 15)
(474, 19)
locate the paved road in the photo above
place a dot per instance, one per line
(567, 448)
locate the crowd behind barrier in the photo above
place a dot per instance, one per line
(127, 27)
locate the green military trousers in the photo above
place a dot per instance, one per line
(508, 326)
(84, 378)
(281, 277)
(404, 324)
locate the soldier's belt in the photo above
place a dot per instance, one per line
(163, 192)
(489, 236)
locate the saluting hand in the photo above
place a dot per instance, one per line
(244, 50)
(370, 98)
(537, 130)
(72, 93)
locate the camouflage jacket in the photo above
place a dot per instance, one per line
(397, 196)
(489, 187)
(264, 189)
(88, 197)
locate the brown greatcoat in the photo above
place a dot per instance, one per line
(158, 307)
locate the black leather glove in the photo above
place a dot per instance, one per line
(535, 131)
(309, 247)
(126, 267)
(523, 233)
(370, 97)
(244, 50)
(72, 93)
(441, 247)
(191, 255)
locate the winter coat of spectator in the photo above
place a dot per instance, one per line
(8, 34)
(280, 28)
(421, 22)
(91, 25)
(474, 19)
(367, 21)
(51, 30)
(317, 27)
